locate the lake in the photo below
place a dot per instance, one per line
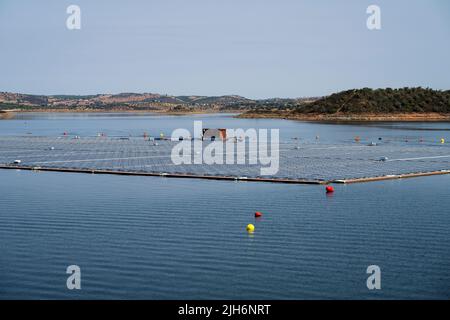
(163, 238)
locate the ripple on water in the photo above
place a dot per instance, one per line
(144, 237)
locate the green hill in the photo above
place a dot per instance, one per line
(379, 101)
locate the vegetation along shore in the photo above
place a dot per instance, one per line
(404, 104)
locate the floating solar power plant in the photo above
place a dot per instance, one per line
(298, 161)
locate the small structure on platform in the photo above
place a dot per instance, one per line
(213, 134)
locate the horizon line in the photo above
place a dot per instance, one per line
(211, 96)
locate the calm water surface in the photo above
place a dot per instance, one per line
(159, 238)
(126, 124)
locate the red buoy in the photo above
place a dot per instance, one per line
(258, 214)
(329, 189)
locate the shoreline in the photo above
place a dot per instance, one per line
(401, 117)
(344, 118)
(8, 114)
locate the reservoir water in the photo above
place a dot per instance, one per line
(161, 238)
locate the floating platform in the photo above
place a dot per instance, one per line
(302, 163)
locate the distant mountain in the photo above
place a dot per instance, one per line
(114, 101)
(346, 104)
(23, 99)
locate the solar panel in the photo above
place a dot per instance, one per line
(310, 161)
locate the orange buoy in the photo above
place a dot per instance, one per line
(329, 189)
(258, 214)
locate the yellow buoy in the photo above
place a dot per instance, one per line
(442, 140)
(250, 228)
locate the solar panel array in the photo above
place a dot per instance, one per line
(307, 160)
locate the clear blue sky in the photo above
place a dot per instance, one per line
(254, 48)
